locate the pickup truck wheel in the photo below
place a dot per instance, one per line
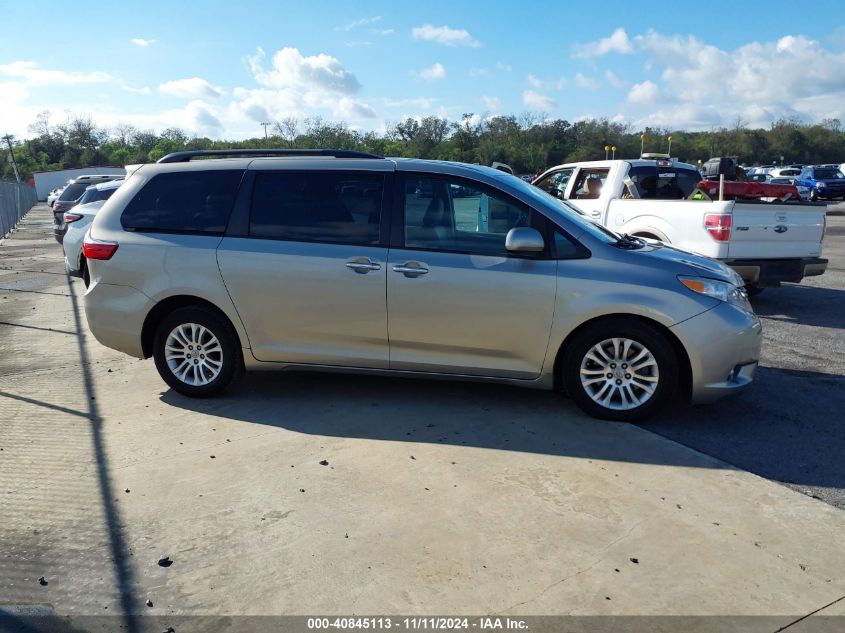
(620, 369)
(196, 352)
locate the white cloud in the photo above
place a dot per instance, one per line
(587, 83)
(358, 43)
(493, 104)
(139, 41)
(298, 85)
(645, 92)
(289, 69)
(436, 71)
(614, 80)
(479, 72)
(32, 75)
(533, 82)
(616, 42)
(444, 35)
(536, 83)
(191, 88)
(759, 81)
(383, 32)
(354, 24)
(504, 67)
(538, 101)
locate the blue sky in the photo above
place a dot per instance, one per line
(220, 68)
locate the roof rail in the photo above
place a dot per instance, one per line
(184, 157)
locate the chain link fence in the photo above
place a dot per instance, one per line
(16, 198)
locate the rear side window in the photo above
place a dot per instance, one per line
(336, 207)
(93, 195)
(184, 202)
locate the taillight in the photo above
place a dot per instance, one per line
(98, 249)
(719, 226)
(71, 217)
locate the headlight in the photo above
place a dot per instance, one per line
(821, 185)
(721, 290)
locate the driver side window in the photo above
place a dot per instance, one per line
(459, 216)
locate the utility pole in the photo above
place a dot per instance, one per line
(266, 138)
(8, 139)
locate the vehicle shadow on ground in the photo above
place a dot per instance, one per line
(761, 430)
(770, 431)
(480, 415)
(802, 304)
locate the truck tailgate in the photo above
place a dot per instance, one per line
(776, 231)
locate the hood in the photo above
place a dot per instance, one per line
(696, 264)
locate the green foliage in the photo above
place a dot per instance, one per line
(529, 143)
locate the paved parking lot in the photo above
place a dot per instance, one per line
(436, 497)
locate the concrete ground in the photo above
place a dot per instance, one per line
(438, 498)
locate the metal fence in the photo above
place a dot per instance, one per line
(16, 198)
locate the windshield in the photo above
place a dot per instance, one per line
(566, 210)
(73, 192)
(828, 174)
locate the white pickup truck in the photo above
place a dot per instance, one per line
(765, 242)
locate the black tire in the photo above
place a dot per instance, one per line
(642, 333)
(753, 290)
(86, 276)
(231, 356)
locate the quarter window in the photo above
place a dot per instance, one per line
(337, 207)
(459, 216)
(184, 202)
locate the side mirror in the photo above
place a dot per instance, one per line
(524, 240)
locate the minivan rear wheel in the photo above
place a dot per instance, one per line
(620, 369)
(196, 352)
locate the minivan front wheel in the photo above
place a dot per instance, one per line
(196, 352)
(620, 369)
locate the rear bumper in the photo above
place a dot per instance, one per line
(59, 227)
(723, 346)
(774, 271)
(116, 316)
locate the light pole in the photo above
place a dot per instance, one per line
(613, 149)
(266, 138)
(8, 139)
(606, 150)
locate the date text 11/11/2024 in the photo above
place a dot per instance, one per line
(417, 623)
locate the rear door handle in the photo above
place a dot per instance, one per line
(363, 265)
(411, 269)
(596, 214)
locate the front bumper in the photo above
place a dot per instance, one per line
(723, 346)
(774, 271)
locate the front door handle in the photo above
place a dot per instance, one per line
(363, 265)
(596, 214)
(411, 269)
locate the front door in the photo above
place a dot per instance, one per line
(457, 301)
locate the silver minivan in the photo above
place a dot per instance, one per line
(335, 260)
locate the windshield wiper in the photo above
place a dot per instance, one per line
(630, 242)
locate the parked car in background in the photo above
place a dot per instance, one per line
(803, 192)
(785, 172)
(71, 196)
(766, 243)
(54, 195)
(77, 221)
(823, 181)
(214, 266)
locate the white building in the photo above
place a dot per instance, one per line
(46, 181)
